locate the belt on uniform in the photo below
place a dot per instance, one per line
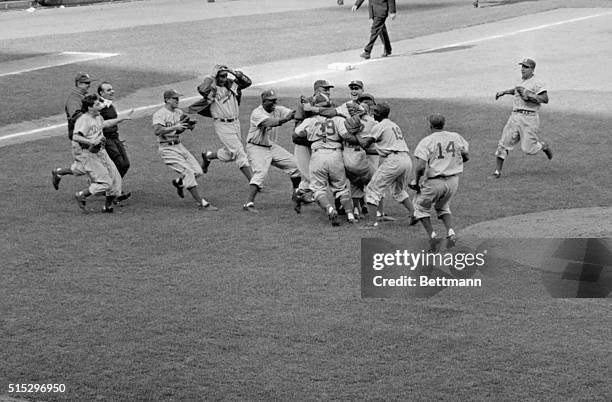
(259, 145)
(391, 152)
(441, 176)
(328, 149)
(174, 142)
(226, 120)
(353, 147)
(524, 111)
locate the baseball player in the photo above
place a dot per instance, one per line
(439, 158)
(395, 164)
(326, 166)
(523, 125)
(264, 152)
(221, 97)
(378, 10)
(168, 123)
(359, 169)
(94, 161)
(113, 145)
(74, 103)
(321, 99)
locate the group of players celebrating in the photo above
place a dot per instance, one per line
(351, 151)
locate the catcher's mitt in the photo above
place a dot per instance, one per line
(353, 124)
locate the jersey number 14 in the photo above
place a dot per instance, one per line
(450, 149)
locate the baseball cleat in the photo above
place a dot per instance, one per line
(81, 200)
(385, 54)
(178, 183)
(297, 201)
(434, 244)
(205, 162)
(546, 149)
(107, 210)
(356, 214)
(249, 207)
(122, 197)
(475, 3)
(413, 220)
(451, 240)
(308, 197)
(496, 174)
(365, 55)
(56, 179)
(351, 218)
(333, 217)
(207, 206)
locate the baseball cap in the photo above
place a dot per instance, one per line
(322, 84)
(437, 120)
(382, 109)
(366, 96)
(356, 83)
(171, 93)
(83, 78)
(268, 94)
(528, 63)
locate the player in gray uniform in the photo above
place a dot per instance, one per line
(326, 165)
(395, 165)
(263, 151)
(321, 98)
(221, 97)
(167, 126)
(82, 83)
(523, 125)
(439, 158)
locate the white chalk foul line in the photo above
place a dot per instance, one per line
(319, 72)
(47, 61)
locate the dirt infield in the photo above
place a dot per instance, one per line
(578, 222)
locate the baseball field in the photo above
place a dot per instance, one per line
(161, 301)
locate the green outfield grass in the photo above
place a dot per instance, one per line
(162, 302)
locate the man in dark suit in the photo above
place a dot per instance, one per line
(379, 10)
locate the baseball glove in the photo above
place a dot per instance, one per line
(355, 109)
(94, 149)
(185, 119)
(353, 124)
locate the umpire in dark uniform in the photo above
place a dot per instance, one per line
(379, 10)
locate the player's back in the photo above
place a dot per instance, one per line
(442, 150)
